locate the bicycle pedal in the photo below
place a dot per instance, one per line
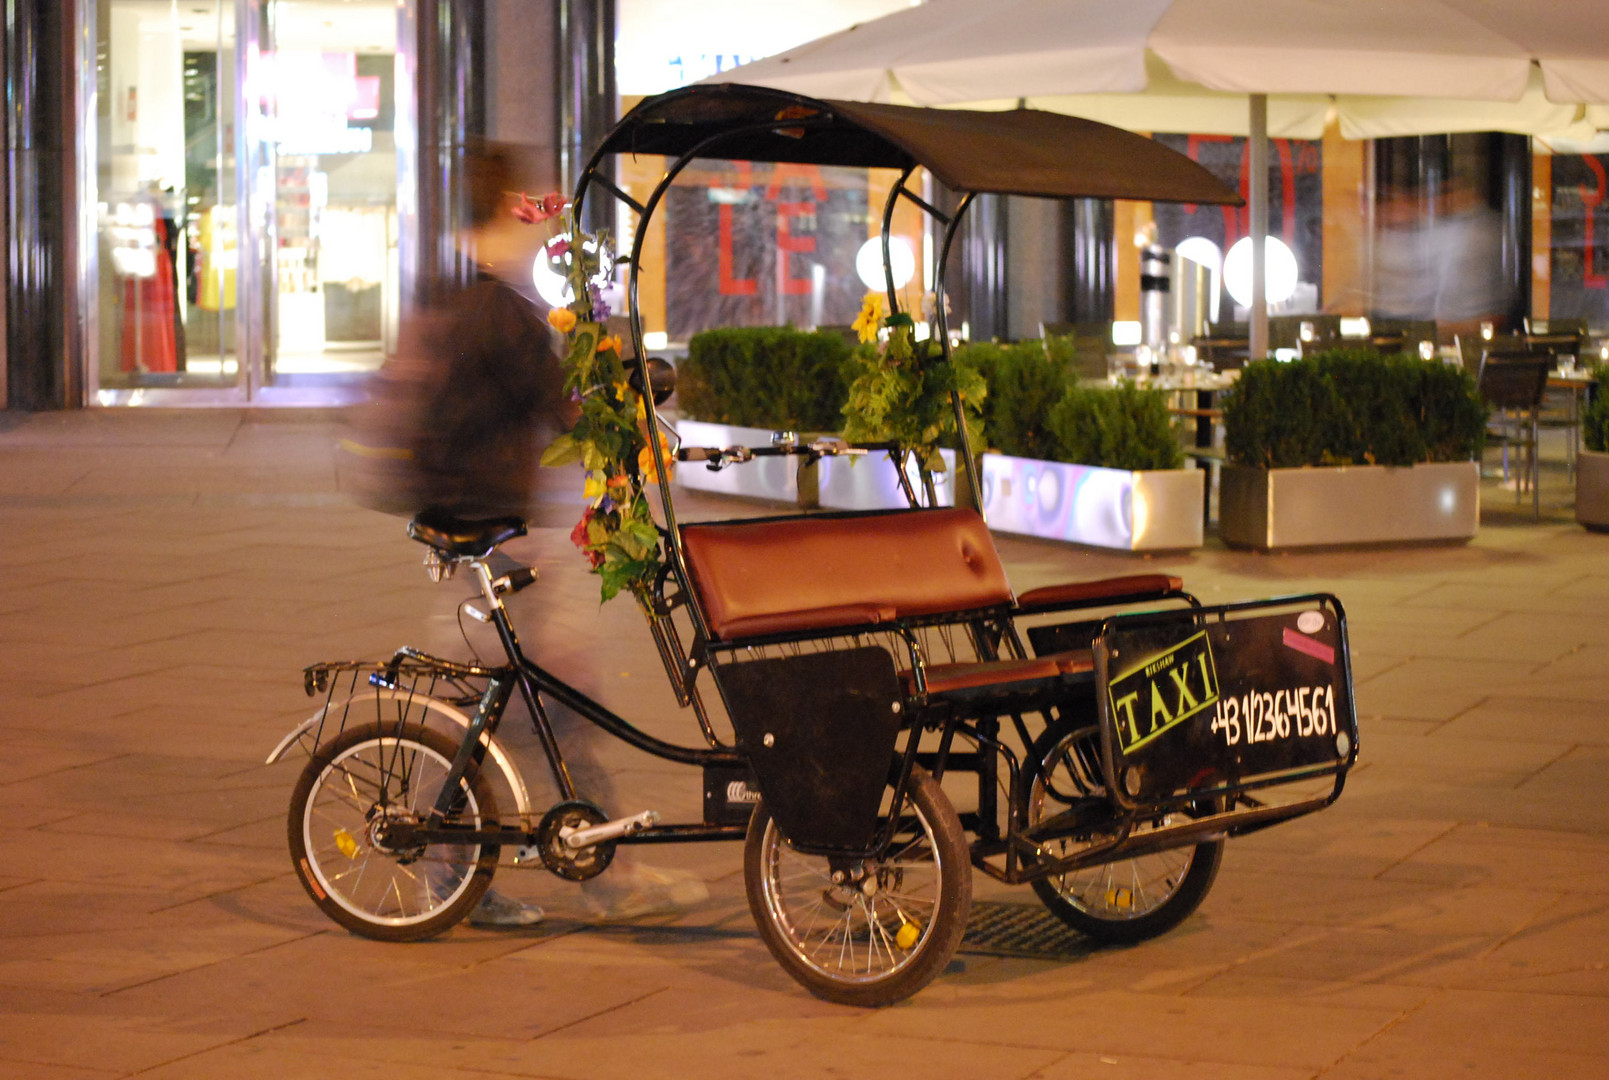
(608, 830)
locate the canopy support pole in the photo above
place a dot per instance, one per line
(1257, 140)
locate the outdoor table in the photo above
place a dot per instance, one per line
(1556, 344)
(1208, 417)
(1579, 384)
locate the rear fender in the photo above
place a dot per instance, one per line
(303, 733)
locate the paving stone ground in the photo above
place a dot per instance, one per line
(166, 575)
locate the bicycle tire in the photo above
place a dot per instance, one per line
(361, 777)
(1125, 901)
(865, 954)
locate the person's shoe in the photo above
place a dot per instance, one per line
(646, 890)
(499, 911)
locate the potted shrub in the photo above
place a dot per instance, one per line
(1351, 447)
(1592, 465)
(737, 385)
(1089, 464)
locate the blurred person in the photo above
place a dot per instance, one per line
(1404, 288)
(456, 424)
(1467, 246)
(1447, 268)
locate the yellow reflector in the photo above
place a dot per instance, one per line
(1119, 898)
(907, 935)
(345, 843)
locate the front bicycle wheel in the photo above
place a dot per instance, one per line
(366, 779)
(868, 931)
(1121, 902)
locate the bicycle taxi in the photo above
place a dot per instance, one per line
(869, 669)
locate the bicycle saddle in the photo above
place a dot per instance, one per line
(462, 537)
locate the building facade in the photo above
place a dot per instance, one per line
(235, 201)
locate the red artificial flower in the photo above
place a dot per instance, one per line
(533, 211)
(528, 211)
(579, 537)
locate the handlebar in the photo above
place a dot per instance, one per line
(716, 457)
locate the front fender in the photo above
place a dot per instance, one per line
(303, 732)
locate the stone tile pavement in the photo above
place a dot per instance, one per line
(167, 574)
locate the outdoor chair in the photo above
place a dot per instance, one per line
(1402, 335)
(1512, 384)
(1474, 348)
(1285, 332)
(1226, 346)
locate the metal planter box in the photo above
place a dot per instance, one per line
(1271, 509)
(1158, 510)
(871, 482)
(1592, 490)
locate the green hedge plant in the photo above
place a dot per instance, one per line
(1116, 427)
(1025, 383)
(1034, 406)
(1352, 407)
(1595, 418)
(764, 376)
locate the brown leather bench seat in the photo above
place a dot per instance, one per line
(990, 677)
(774, 576)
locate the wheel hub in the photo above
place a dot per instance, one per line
(382, 823)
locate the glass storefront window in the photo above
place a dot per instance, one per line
(165, 202)
(172, 286)
(330, 73)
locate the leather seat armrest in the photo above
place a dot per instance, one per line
(1074, 593)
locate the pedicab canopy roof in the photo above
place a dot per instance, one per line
(1017, 152)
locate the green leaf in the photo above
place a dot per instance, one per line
(561, 451)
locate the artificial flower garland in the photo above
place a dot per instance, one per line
(901, 392)
(616, 533)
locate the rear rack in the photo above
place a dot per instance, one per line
(407, 677)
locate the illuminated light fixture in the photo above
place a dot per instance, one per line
(1354, 327)
(548, 273)
(869, 263)
(655, 339)
(1204, 252)
(1279, 270)
(1126, 332)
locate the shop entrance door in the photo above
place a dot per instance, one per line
(246, 199)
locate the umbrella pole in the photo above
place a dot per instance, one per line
(1257, 138)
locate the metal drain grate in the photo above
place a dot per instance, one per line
(999, 929)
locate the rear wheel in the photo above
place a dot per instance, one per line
(1120, 902)
(363, 781)
(864, 932)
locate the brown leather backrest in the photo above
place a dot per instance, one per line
(760, 577)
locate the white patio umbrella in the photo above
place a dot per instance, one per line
(1251, 67)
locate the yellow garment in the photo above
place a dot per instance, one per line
(216, 235)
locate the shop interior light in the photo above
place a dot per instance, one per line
(1126, 332)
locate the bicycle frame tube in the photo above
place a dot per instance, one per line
(535, 679)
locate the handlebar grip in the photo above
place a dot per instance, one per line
(698, 453)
